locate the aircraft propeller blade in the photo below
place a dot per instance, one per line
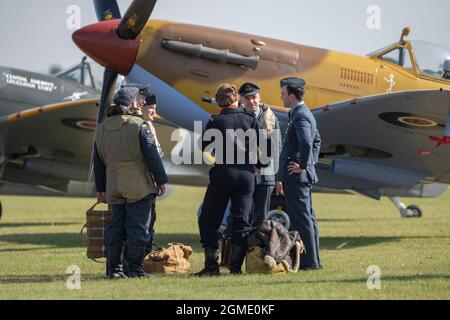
(106, 10)
(109, 84)
(135, 18)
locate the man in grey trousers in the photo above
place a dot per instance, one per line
(297, 174)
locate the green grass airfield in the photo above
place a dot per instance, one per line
(40, 239)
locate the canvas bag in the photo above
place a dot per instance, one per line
(170, 260)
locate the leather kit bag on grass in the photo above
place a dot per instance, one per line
(273, 249)
(170, 260)
(96, 223)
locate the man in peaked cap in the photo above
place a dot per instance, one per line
(297, 174)
(249, 89)
(250, 94)
(148, 114)
(128, 175)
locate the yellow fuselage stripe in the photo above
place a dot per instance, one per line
(52, 107)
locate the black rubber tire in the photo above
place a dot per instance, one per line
(279, 216)
(417, 211)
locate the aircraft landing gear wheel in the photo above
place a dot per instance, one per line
(280, 217)
(414, 211)
(411, 211)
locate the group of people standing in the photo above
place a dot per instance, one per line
(249, 185)
(129, 174)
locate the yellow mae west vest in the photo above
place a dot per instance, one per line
(268, 119)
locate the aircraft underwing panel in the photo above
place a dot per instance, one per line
(63, 132)
(404, 134)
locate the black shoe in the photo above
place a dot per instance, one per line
(135, 258)
(114, 255)
(311, 268)
(139, 275)
(117, 275)
(211, 268)
(205, 272)
(237, 258)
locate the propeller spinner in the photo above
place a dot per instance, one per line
(113, 43)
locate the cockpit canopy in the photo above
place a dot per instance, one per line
(83, 74)
(428, 58)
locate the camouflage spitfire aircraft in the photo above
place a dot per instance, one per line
(47, 126)
(384, 118)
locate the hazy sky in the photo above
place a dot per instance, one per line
(34, 33)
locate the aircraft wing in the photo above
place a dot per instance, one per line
(51, 145)
(55, 138)
(395, 139)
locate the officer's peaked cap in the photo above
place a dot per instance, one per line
(248, 89)
(293, 81)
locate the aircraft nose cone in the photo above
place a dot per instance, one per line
(101, 43)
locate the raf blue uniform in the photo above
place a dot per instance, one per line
(265, 178)
(301, 144)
